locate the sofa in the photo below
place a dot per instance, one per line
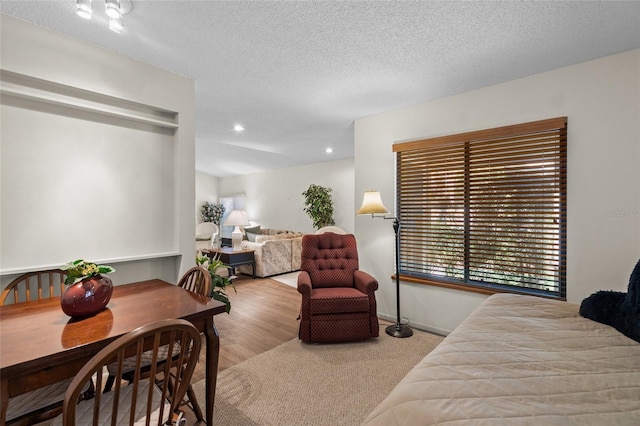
(521, 360)
(276, 251)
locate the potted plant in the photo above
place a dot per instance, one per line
(88, 288)
(218, 282)
(319, 206)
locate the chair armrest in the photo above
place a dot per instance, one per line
(250, 245)
(365, 282)
(304, 283)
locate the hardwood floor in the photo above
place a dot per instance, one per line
(263, 316)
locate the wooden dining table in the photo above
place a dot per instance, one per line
(40, 345)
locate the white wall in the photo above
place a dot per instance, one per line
(601, 99)
(274, 198)
(110, 164)
(206, 191)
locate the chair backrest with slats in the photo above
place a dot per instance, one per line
(196, 280)
(142, 398)
(36, 285)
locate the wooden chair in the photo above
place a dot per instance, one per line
(34, 286)
(196, 280)
(141, 400)
(46, 402)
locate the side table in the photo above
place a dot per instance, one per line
(233, 258)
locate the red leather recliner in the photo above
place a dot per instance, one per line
(338, 300)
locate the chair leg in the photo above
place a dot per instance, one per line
(194, 404)
(89, 393)
(109, 383)
(191, 396)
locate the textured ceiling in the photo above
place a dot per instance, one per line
(297, 74)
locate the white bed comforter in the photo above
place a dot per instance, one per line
(521, 360)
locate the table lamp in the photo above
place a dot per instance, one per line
(372, 204)
(237, 218)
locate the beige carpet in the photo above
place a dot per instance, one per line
(290, 279)
(306, 384)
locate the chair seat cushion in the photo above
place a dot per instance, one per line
(84, 411)
(336, 300)
(129, 364)
(38, 399)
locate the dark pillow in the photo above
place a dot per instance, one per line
(251, 232)
(617, 309)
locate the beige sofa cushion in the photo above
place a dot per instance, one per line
(263, 238)
(276, 251)
(272, 257)
(296, 253)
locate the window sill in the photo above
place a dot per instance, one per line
(472, 288)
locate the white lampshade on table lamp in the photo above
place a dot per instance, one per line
(237, 218)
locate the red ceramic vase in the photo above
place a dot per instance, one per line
(86, 297)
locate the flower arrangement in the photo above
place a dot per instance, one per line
(212, 212)
(79, 270)
(219, 283)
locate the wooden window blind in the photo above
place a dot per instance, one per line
(486, 210)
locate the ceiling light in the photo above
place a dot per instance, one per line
(112, 7)
(83, 8)
(328, 150)
(116, 24)
(238, 128)
(115, 10)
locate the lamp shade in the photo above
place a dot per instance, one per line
(237, 218)
(372, 204)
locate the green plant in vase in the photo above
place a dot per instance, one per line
(218, 282)
(79, 270)
(88, 289)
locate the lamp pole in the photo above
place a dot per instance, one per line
(398, 329)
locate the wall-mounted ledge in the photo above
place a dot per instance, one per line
(38, 90)
(22, 270)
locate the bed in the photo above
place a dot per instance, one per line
(521, 360)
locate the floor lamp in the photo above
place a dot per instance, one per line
(372, 204)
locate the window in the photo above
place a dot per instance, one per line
(486, 211)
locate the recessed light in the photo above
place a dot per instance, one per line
(328, 150)
(238, 128)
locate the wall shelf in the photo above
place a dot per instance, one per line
(38, 90)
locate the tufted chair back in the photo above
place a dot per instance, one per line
(330, 259)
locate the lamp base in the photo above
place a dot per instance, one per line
(236, 240)
(399, 330)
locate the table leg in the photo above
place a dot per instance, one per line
(212, 356)
(4, 400)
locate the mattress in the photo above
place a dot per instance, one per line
(521, 360)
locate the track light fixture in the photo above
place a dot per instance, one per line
(112, 8)
(116, 24)
(115, 10)
(84, 9)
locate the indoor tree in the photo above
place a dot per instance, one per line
(319, 206)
